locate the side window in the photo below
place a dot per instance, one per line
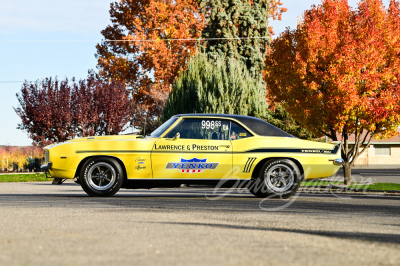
(238, 132)
(197, 128)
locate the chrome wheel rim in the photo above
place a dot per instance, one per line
(279, 178)
(101, 176)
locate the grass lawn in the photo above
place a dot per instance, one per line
(316, 183)
(377, 186)
(34, 177)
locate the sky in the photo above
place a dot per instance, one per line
(49, 38)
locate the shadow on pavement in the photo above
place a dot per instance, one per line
(195, 200)
(371, 237)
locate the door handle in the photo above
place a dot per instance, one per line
(226, 146)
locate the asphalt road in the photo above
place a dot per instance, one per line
(371, 175)
(43, 224)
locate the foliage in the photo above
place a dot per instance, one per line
(149, 67)
(280, 118)
(275, 11)
(99, 108)
(18, 155)
(237, 19)
(338, 72)
(221, 86)
(57, 111)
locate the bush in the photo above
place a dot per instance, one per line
(9, 156)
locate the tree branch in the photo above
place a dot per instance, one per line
(345, 146)
(366, 146)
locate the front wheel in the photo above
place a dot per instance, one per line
(101, 177)
(277, 178)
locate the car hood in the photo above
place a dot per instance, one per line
(109, 137)
(99, 138)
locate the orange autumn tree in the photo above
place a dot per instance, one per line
(338, 73)
(148, 61)
(275, 12)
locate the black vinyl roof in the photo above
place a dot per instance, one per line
(258, 126)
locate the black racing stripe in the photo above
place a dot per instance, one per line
(115, 151)
(290, 150)
(335, 150)
(260, 150)
(226, 152)
(135, 151)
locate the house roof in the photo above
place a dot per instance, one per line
(374, 141)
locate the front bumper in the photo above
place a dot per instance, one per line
(46, 168)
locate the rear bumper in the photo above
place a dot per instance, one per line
(337, 161)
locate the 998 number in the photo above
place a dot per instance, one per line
(210, 124)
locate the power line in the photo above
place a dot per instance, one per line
(205, 39)
(15, 81)
(147, 40)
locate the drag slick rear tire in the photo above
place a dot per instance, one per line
(101, 177)
(277, 178)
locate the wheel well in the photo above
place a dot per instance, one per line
(258, 167)
(78, 170)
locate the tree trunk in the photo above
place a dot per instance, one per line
(347, 173)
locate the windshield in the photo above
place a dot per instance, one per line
(161, 129)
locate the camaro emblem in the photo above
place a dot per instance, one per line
(192, 165)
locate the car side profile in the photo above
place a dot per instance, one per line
(212, 149)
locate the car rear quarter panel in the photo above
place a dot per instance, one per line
(250, 152)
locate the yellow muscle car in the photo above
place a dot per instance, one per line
(212, 149)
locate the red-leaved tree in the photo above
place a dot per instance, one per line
(53, 110)
(338, 73)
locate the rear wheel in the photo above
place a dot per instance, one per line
(101, 177)
(277, 178)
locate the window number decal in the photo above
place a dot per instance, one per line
(207, 124)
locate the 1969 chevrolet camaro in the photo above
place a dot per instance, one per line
(213, 149)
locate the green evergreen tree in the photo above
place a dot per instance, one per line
(237, 19)
(280, 118)
(222, 86)
(227, 76)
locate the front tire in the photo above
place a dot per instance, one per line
(101, 177)
(277, 178)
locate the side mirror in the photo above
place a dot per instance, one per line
(177, 136)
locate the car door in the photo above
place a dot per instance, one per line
(243, 160)
(196, 148)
